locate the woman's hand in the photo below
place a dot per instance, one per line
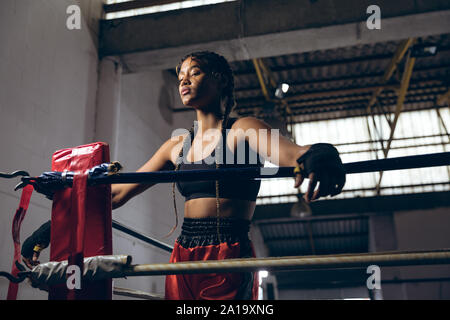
(321, 164)
(33, 261)
(117, 196)
(34, 244)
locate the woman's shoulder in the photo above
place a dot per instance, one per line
(246, 123)
(175, 139)
(173, 146)
(178, 137)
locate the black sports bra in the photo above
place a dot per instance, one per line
(230, 188)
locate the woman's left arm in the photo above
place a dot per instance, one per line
(320, 163)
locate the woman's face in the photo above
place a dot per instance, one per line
(197, 89)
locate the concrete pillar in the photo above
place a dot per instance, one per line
(382, 237)
(108, 103)
(259, 246)
(268, 285)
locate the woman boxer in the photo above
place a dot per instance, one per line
(217, 214)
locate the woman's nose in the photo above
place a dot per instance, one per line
(185, 80)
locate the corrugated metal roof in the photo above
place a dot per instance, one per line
(329, 74)
(315, 235)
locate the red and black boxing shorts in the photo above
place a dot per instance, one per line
(200, 240)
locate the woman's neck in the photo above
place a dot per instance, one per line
(208, 120)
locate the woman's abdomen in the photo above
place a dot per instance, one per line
(207, 207)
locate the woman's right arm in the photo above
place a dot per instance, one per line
(163, 159)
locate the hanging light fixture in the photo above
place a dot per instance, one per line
(281, 90)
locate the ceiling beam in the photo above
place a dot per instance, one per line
(443, 99)
(156, 41)
(367, 76)
(379, 58)
(301, 115)
(401, 98)
(262, 78)
(359, 205)
(325, 98)
(398, 56)
(406, 77)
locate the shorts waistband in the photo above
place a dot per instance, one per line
(206, 231)
(201, 226)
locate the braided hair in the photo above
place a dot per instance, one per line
(217, 66)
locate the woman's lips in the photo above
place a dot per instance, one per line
(185, 91)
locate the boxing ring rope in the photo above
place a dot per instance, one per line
(119, 266)
(137, 294)
(399, 163)
(118, 226)
(290, 263)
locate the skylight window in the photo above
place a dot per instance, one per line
(417, 132)
(158, 8)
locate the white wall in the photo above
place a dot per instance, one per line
(424, 230)
(324, 294)
(413, 230)
(48, 84)
(49, 100)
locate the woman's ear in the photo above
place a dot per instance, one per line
(222, 80)
(225, 81)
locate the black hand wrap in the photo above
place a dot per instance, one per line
(320, 157)
(40, 237)
(323, 159)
